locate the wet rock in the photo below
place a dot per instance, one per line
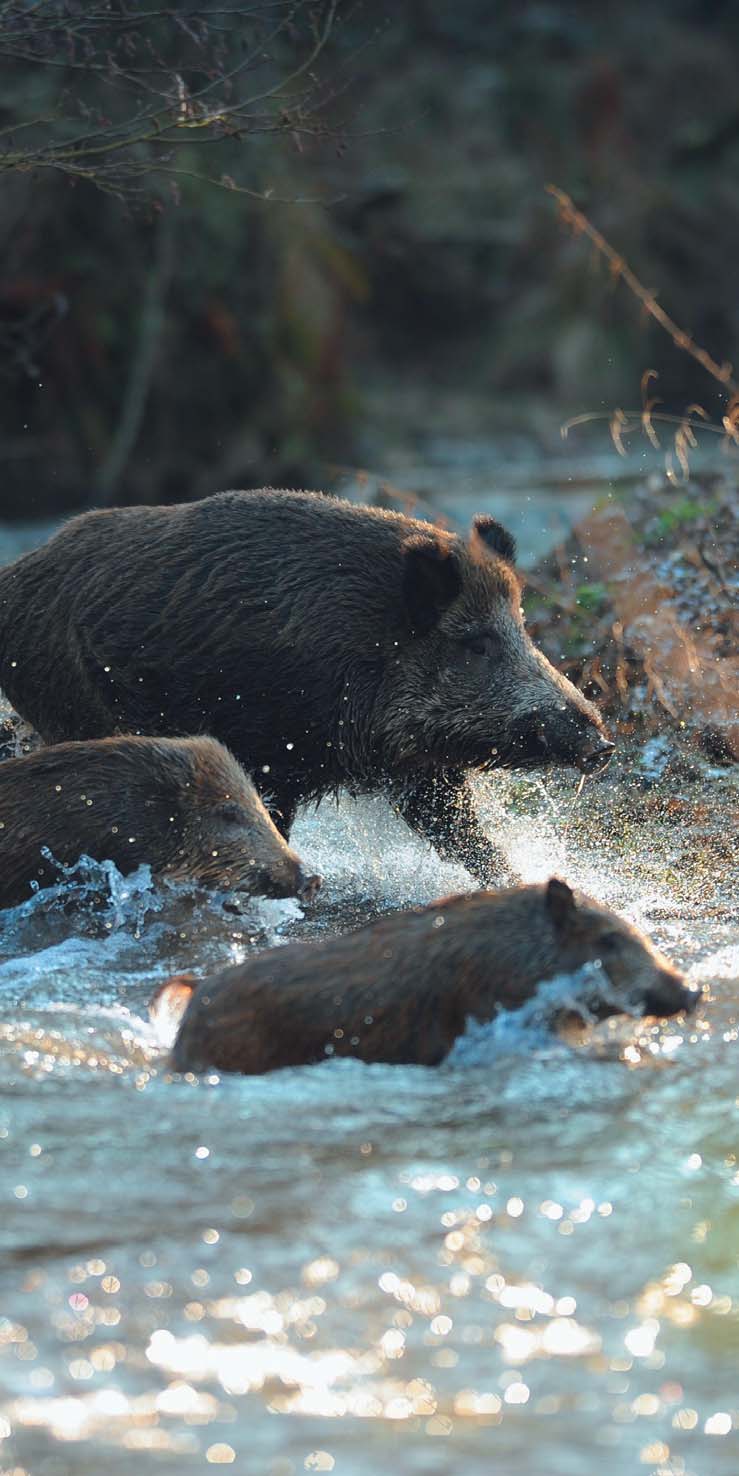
(639, 605)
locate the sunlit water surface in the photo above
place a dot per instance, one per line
(525, 1261)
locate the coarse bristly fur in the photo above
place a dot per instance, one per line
(182, 805)
(402, 990)
(330, 646)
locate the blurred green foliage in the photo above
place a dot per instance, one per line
(591, 596)
(683, 511)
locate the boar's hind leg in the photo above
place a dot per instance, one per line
(441, 808)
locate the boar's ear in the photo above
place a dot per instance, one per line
(560, 902)
(431, 579)
(495, 537)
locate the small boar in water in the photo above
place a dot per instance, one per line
(403, 989)
(329, 646)
(183, 805)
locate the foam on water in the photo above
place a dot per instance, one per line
(521, 1029)
(361, 847)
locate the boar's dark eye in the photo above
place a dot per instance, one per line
(609, 942)
(231, 813)
(478, 643)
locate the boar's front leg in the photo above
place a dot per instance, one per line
(441, 808)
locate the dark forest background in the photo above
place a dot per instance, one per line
(340, 233)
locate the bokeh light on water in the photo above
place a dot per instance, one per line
(525, 1260)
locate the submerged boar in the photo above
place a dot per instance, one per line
(182, 805)
(403, 989)
(328, 645)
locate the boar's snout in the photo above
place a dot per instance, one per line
(596, 758)
(670, 995)
(566, 730)
(309, 887)
(288, 879)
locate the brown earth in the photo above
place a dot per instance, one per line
(639, 608)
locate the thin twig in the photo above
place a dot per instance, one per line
(620, 268)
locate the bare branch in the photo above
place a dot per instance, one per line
(580, 225)
(164, 98)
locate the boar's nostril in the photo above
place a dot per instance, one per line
(593, 760)
(308, 887)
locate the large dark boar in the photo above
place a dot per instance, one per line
(328, 645)
(403, 989)
(183, 805)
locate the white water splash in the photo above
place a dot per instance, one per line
(515, 1030)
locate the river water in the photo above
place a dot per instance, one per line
(523, 1263)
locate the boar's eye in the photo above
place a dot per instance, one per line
(610, 942)
(231, 812)
(478, 643)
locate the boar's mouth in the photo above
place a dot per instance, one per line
(668, 996)
(266, 883)
(649, 1004)
(539, 743)
(597, 758)
(671, 996)
(592, 760)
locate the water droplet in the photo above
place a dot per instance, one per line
(220, 1455)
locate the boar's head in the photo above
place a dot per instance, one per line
(468, 687)
(224, 835)
(637, 979)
